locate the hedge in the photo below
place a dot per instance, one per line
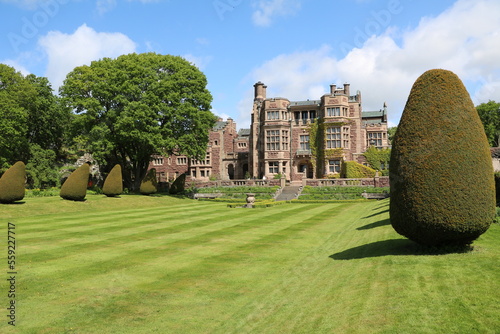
(113, 185)
(149, 184)
(12, 183)
(75, 186)
(355, 170)
(178, 185)
(441, 175)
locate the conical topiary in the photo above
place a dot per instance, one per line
(75, 187)
(178, 185)
(149, 183)
(12, 183)
(113, 185)
(441, 175)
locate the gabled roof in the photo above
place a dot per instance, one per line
(370, 114)
(219, 125)
(244, 133)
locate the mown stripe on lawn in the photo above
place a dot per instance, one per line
(55, 223)
(149, 271)
(81, 227)
(143, 245)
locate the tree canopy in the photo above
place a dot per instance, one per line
(137, 105)
(490, 117)
(33, 125)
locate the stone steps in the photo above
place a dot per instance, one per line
(289, 192)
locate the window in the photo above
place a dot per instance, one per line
(375, 139)
(202, 173)
(273, 140)
(345, 136)
(334, 111)
(182, 161)
(345, 111)
(271, 115)
(333, 137)
(158, 161)
(284, 140)
(334, 166)
(242, 145)
(304, 143)
(273, 167)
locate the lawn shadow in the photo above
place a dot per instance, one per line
(398, 247)
(375, 224)
(377, 249)
(13, 203)
(376, 214)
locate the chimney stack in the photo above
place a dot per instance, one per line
(347, 88)
(333, 88)
(260, 91)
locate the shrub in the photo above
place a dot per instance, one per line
(113, 185)
(378, 159)
(441, 175)
(178, 185)
(75, 187)
(149, 184)
(12, 183)
(354, 170)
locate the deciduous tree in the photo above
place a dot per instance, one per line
(490, 117)
(140, 104)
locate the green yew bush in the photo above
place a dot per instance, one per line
(149, 184)
(12, 183)
(178, 185)
(113, 185)
(75, 187)
(355, 170)
(441, 175)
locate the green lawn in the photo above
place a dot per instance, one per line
(141, 264)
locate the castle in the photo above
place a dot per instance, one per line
(295, 139)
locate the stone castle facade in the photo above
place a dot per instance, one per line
(296, 139)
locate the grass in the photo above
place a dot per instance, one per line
(160, 264)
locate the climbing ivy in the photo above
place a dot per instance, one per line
(376, 157)
(315, 131)
(317, 135)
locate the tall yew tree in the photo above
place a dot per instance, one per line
(140, 104)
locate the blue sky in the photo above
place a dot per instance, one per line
(296, 47)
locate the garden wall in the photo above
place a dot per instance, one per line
(382, 181)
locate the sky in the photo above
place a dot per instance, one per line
(296, 47)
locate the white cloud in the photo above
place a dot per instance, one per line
(65, 52)
(266, 10)
(461, 39)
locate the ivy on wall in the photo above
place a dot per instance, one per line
(317, 135)
(378, 158)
